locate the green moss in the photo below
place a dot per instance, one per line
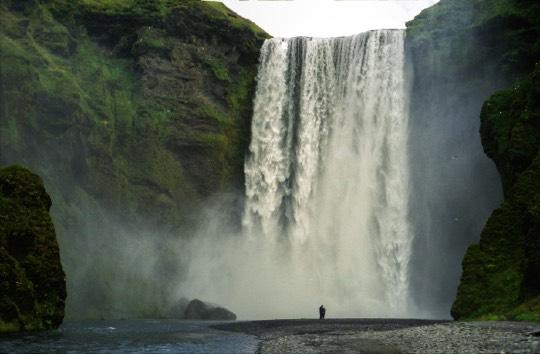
(510, 127)
(239, 98)
(212, 112)
(32, 284)
(93, 89)
(220, 11)
(527, 311)
(7, 327)
(218, 68)
(500, 273)
(151, 40)
(110, 5)
(491, 317)
(106, 86)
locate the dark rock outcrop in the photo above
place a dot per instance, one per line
(198, 310)
(32, 285)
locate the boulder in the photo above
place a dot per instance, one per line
(199, 310)
(32, 284)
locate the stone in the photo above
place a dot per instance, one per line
(32, 281)
(199, 310)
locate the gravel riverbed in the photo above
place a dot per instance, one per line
(388, 336)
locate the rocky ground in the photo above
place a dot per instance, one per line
(391, 336)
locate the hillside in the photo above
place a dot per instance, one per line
(135, 113)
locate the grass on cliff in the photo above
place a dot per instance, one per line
(220, 11)
(70, 82)
(212, 10)
(81, 65)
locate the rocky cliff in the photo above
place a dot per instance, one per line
(476, 48)
(32, 285)
(135, 113)
(500, 275)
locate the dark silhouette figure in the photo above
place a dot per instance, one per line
(322, 312)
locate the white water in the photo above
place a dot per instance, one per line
(326, 186)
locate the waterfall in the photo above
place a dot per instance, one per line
(327, 175)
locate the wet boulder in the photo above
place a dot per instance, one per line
(199, 310)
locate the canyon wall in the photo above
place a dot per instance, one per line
(136, 114)
(461, 53)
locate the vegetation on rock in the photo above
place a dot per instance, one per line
(510, 127)
(170, 82)
(32, 285)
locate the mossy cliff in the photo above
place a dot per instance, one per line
(479, 47)
(143, 104)
(134, 112)
(501, 274)
(32, 285)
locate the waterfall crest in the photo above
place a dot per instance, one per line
(327, 176)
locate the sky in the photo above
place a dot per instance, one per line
(327, 18)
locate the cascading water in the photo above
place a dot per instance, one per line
(327, 179)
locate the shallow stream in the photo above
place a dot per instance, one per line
(131, 336)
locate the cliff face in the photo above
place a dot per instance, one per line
(475, 48)
(134, 112)
(500, 275)
(32, 285)
(455, 186)
(142, 105)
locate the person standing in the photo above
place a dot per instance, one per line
(322, 312)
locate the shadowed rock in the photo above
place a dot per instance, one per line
(32, 285)
(198, 310)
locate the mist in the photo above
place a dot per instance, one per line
(325, 218)
(454, 185)
(353, 200)
(367, 221)
(117, 270)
